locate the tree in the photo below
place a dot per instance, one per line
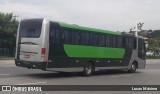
(8, 29)
(155, 34)
(154, 46)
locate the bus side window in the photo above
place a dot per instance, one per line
(131, 43)
(127, 43)
(124, 42)
(101, 39)
(135, 43)
(60, 36)
(75, 37)
(51, 37)
(68, 36)
(54, 34)
(79, 39)
(96, 39)
(110, 41)
(85, 37)
(114, 41)
(119, 42)
(91, 38)
(107, 40)
(57, 35)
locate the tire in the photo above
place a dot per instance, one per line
(88, 69)
(133, 68)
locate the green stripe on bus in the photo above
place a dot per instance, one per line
(88, 29)
(93, 52)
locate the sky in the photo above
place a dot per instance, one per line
(115, 15)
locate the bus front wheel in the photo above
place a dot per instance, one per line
(133, 68)
(88, 69)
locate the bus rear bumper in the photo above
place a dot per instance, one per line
(31, 65)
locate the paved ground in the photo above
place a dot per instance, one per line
(12, 75)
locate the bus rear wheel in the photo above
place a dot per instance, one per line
(88, 69)
(133, 68)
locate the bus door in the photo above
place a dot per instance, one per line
(141, 49)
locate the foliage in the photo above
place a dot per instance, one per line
(155, 34)
(154, 46)
(8, 29)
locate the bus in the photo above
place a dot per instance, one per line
(45, 44)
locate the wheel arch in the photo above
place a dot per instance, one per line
(135, 61)
(93, 63)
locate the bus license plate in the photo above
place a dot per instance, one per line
(26, 56)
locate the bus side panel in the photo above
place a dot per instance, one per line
(60, 59)
(139, 55)
(134, 57)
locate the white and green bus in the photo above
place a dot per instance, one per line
(45, 44)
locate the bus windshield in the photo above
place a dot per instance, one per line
(30, 28)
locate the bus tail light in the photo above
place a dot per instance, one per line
(43, 52)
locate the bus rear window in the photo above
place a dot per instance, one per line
(31, 28)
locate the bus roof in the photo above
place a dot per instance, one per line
(87, 28)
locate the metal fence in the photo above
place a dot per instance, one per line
(5, 53)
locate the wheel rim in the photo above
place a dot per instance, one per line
(88, 69)
(133, 67)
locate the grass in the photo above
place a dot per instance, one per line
(6, 58)
(152, 57)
